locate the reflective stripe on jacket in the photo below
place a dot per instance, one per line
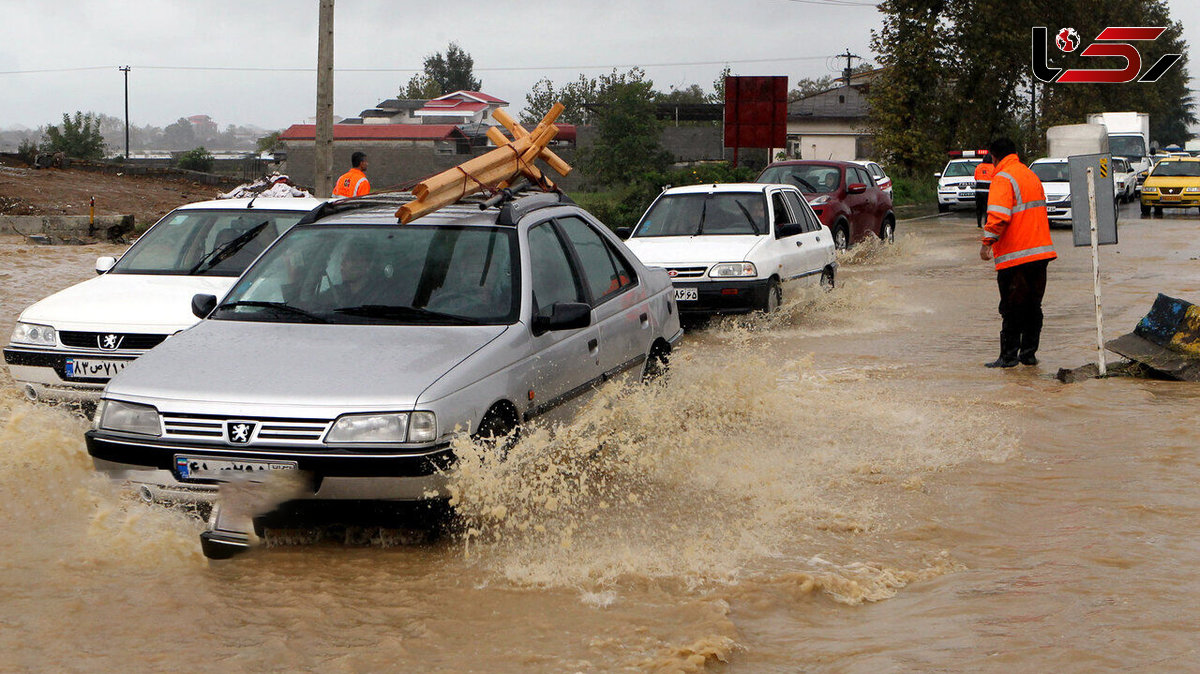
(1016, 216)
(352, 183)
(983, 176)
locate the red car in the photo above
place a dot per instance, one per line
(844, 195)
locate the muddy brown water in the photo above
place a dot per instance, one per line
(841, 487)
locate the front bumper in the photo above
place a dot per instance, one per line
(727, 297)
(149, 464)
(43, 372)
(957, 197)
(1182, 200)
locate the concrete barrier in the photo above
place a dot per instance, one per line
(107, 227)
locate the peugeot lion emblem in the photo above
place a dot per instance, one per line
(239, 431)
(110, 342)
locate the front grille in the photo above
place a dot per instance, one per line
(267, 431)
(1171, 190)
(686, 272)
(126, 341)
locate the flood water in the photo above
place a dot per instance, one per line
(840, 487)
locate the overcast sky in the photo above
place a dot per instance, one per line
(177, 48)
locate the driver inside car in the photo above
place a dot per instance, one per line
(360, 276)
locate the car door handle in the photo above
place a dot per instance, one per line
(799, 243)
(645, 320)
(593, 345)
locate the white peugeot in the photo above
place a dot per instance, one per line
(68, 345)
(728, 248)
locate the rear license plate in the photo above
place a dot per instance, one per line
(85, 368)
(686, 294)
(208, 468)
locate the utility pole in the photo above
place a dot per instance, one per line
(125, 69)
(323, 164)
(846, 73)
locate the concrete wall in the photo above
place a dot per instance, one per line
(109, 227)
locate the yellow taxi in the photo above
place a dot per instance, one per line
(1173, 183)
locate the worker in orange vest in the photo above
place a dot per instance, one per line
(983, 181)
(1017, 236)
(354, 183)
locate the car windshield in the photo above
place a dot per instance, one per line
(213, 242)
(406, 275)
(712, 213)
(1120, 165)
(1127, 146)
(1055, 172)
(810, 178)
(960, 169)
(1177, 169)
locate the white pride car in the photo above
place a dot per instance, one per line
(68, 345)
(729, 248)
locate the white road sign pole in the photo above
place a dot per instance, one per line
(1096, 274)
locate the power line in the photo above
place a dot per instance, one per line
(837, 3)
(53, 70)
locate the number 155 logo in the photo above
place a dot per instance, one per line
(1112, 41)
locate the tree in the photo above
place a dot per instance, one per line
(78, 137)
(627, 132)
(179, 135)
(267, 143)
(451, 72)
(574, 97)
(197, 159)
(421, 87)
(719, 85)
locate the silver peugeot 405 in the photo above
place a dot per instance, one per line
(355, 349)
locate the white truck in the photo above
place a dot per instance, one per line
(1128, 137)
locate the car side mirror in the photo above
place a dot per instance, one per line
(563, 316)
(624, 232)
(203, 305)
(937, 175)
(788, 229)
(856, 188)
(105, 263)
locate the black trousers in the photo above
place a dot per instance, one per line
(981, 197)
(1021, 290)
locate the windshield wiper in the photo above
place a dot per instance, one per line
(703, 212)
(280, 306)
(221, 253)
(749, 218)
(403, 312)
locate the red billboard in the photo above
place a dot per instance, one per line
(756, 111)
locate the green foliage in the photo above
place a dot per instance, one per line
(267, 143)
(79, 137)
(27, 151)
(627, 132)
(624, 206)
(574, 95)
(719, 85)
(198, 159)
(421, 87)
(909, 190)
(452, 72)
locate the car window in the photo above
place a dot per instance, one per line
(216, 242)
(810, 178)
(804, 215)
(781, 215)
(876, 170)
(1177, 169)
(554, 279)
(960, 169)
(604, 276)
(1051, 172)
(695, 214)
(861, 176)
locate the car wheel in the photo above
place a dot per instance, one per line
(887, 229)
(841, 235)
(774, 297)
(828, 278)
(497, 427)
(1145, 210)
(943, 208)
(657, 363)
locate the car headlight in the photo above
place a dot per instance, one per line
(32, 333)
(819, 201)
(1148, 188)
(1191, 189)
(383, 428)
(733, 269)
(114, 415)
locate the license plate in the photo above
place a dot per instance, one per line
(1170, 197)
(208, 468)
(686, 294)
(86, 368)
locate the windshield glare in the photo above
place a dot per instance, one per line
(714, 213)
(960, 169)
(410, 275)
(1177, 169)
(1051, 173)
(811, 178)
(188, 241)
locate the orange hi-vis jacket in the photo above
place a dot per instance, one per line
(983, 174)
(352, 183)
(1017, 227)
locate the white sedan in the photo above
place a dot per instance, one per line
(68, 345)
(729, 248)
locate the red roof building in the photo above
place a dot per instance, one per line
(460, 107)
